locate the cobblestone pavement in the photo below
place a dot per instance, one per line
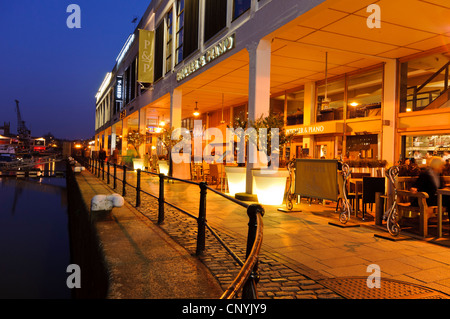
(278, 279)
(301, 252)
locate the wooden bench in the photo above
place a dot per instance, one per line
(405, 209)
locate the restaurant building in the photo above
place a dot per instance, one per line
(353, 79)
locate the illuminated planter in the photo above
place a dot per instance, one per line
(163, 167)
(236, 179)
(138, 163)
(269, 185)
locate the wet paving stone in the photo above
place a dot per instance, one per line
(278, 279)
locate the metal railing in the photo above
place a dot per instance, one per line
(248, 276)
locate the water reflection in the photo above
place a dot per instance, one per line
(34, 239)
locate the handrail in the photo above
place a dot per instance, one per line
(249, 269)
(433, 76)
(234, 200)
(247, 277)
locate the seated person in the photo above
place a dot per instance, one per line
(430, 180)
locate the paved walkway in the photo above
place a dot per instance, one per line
(301, 251)
(141, 259)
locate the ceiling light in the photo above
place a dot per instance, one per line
(354, 104)
(196, 112)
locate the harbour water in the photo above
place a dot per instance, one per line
(34, 238)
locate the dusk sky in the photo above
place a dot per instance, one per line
(55, 71)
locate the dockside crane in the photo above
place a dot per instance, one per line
(22, 130)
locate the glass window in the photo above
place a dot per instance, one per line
(180, 28)
(422, 81)
(215, 18)
(239, 114)
(295, 107)
(169, 42)
(277, 105)
(420, 148)
(362, 147)
(330, 101)
(240, 6)
(364, 94)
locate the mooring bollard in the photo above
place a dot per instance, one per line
(115, 177)
(124, 180)
(161, 199)
(249, 289)
(107, 173)
(201, 220)
(138, 188)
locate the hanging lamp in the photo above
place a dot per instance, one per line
(196, 112)
(222, 121)
(326, 101)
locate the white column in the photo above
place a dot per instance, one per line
(258, 90)
(142, 127)
(124, 136)
(389, 106)
(113, 138)
(308, 114)
(175, 108)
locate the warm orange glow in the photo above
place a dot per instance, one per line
(354, 104)
(78, 146)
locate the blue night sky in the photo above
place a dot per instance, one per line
(55, 71)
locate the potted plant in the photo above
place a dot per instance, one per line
(269, 181)
(136, 139)
(166, 167)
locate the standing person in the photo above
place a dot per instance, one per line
(146, 161)
(102, 155)
(115, 156)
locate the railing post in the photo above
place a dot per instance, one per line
(161, 199)
(124, 180)
(201, 220)
(95, 167)
(138, 188)
(115, 176)
(107, 173)
(103, 170)
(99, 168)
(249, 289)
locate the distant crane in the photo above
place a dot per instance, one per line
(23, 132)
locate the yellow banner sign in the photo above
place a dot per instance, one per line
(145, 61)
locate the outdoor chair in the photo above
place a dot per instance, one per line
(407, 209)
(371, 185)
(350, 196)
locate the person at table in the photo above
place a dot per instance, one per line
(430, 180)
(409, 168)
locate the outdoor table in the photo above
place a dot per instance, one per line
(358, 183)
(441, 192)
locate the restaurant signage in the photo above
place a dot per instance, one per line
(320, 128)
(211, 54)
(145, 57)
(119, 88)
